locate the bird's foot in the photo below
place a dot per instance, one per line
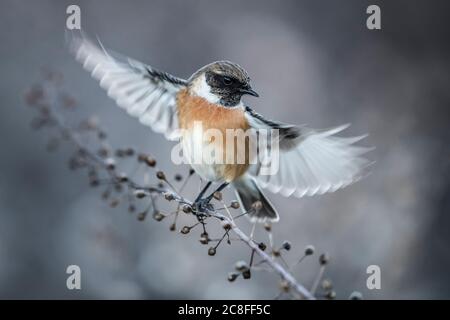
(202, 205)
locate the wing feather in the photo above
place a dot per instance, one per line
(141, 90)
(310, 161)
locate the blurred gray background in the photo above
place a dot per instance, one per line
(313, 62)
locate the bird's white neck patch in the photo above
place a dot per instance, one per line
(202, 89)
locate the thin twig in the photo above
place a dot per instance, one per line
(73, 136)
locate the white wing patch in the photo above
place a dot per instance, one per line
(143, 92)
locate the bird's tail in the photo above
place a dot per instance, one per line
(253, 201)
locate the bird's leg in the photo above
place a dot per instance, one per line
(200, 195)
(200, 203)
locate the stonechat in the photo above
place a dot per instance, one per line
(309, 161)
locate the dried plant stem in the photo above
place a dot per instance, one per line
(317, 280)
(72, 135)
(301, 291)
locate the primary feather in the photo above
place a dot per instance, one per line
(310, 162)
(141, 90)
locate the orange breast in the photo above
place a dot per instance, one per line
(193, 108)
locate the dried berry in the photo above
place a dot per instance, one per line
(286, 245)
(185, 230)
(141, 216)
(234, 204)
(140, 194)
(110, 164)
(129, 152)
(158, 216)
(106, 194)
(257, 205)
(331, 295)
(284, 286)
(226, 225)
(103, 152)
(327, 285)
(150, 161)
(241, 266)
(94, 182)
(141, 157)
(102, 135)
(187, 208)
(122, 177)
(324, 259)
(114, 203)
(120, 153)
(169, 196)
(232, 276)
(218, 195)
(247, 274)
(355, 295)
(309, 250)
(160, 175)
(118, 187)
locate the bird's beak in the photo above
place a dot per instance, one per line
(249, 91)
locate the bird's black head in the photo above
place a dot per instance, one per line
(224, 81)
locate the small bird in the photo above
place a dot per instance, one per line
(310, 161)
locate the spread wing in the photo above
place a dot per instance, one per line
(141, 90)
(310, 162)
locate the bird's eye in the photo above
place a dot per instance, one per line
(227, 81)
